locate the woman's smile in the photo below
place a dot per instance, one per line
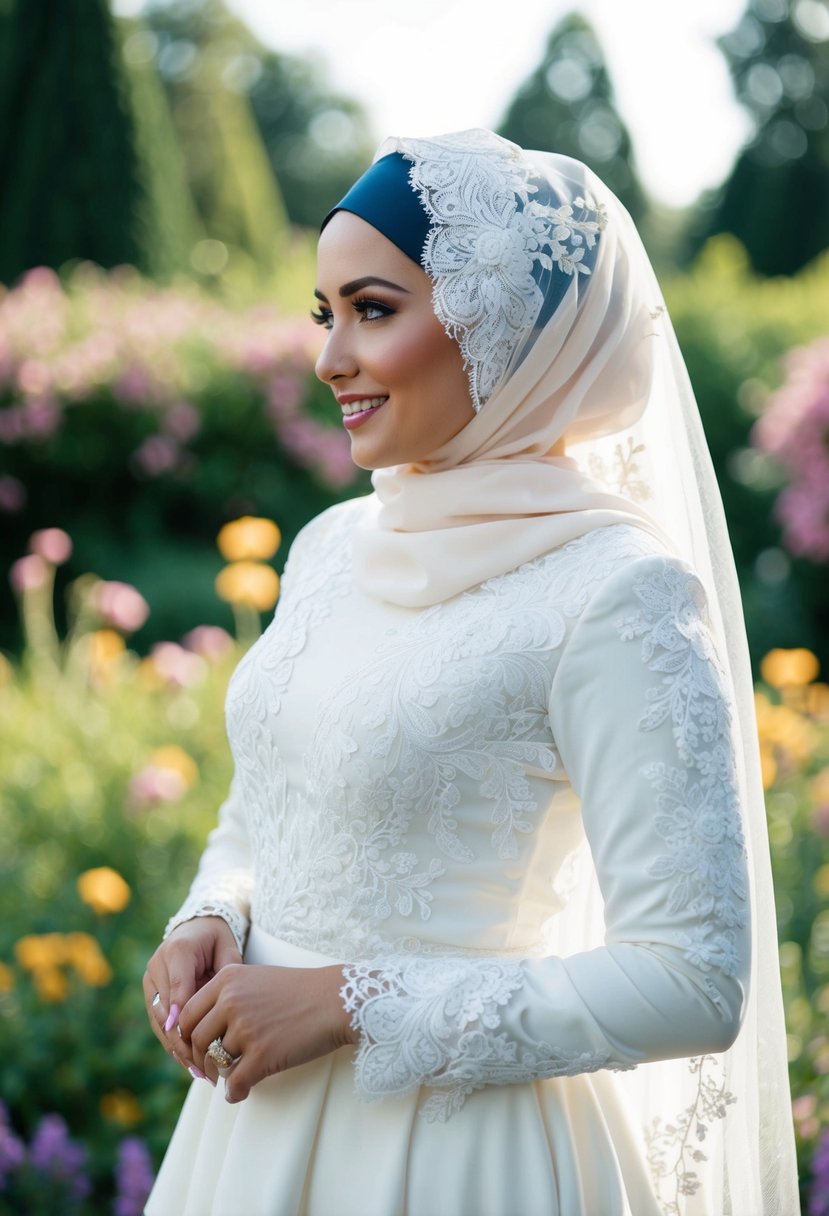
(357, 408)
(398, 377)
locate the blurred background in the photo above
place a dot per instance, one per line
(163, 170)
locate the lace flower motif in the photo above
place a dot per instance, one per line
(487, 237)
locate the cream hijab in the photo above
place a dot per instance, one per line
(586, 363)
(501, 492)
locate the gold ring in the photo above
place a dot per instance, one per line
(219, 1054)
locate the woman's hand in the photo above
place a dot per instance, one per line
(192, 955)
(271, 1018)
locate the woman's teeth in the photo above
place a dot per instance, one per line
(359, 407)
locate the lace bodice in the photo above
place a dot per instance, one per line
(413, 790)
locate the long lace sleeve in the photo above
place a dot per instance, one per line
(642, 721)
(222, 885)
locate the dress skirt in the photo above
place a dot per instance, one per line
(304, 1144)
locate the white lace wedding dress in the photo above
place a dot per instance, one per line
(417, 795)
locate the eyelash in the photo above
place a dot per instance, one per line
(361, 304)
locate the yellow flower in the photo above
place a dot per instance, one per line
(104, 890)
(248, 583)
(817, 701)
(84, 953)
(248, 537)
(819, 788)
(105, 650)
(39, 951)
(51, 984)
(175, 760)
(783, 730)
(6, 978)
(120, 1106)
(785, 668)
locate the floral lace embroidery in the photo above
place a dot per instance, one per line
(434, 1022)
(699, 820)
(619, 469)
(487, 235)
(457, 695)
(237, 887)
(699, 815)
(674, 1149)
(254, 694)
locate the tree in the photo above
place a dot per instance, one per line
(316, 141)
(776, 200)
(72, 182)
(567, 106)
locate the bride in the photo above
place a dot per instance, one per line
(486, 924)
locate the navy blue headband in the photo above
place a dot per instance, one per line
(384, 198)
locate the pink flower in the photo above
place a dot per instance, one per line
(12, 494)
(178, 666)
(29, 573)
(153, 784)
(52, 544)
(157, 454)
(134, 386)
(33, 377)
(820, 819)
(793, 429)
(209, 641)
(120, 605)
(182, 421)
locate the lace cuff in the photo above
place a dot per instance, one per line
(437, 1022)
(224, 902)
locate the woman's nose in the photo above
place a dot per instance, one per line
(335, 361)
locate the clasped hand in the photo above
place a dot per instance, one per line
(271, 1018)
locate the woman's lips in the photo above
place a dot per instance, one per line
(358, 416)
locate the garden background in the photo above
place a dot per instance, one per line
(160, 180)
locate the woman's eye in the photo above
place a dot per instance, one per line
(371, 310)
(321, 316)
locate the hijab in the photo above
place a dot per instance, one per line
(535, 285)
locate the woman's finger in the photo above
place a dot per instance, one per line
(156, 984)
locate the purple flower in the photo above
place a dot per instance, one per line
(793, 429)
(182, 421)
(12, 494)
(53, 1153)
(133, 1177)
(157, 454)
(819, 1190)
(12, 1151)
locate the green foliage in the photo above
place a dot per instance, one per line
(72, 178)
(735, 329)
(776, 200)
(567, 106)
(794, 738)
(141, 418)
(75, 734)
(316, 141)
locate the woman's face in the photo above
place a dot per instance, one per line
(398, 377)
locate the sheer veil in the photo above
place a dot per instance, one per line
(540, 275)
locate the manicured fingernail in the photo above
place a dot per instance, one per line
(172, 1019)
(197, 1073)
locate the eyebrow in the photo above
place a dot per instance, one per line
(348, 289)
